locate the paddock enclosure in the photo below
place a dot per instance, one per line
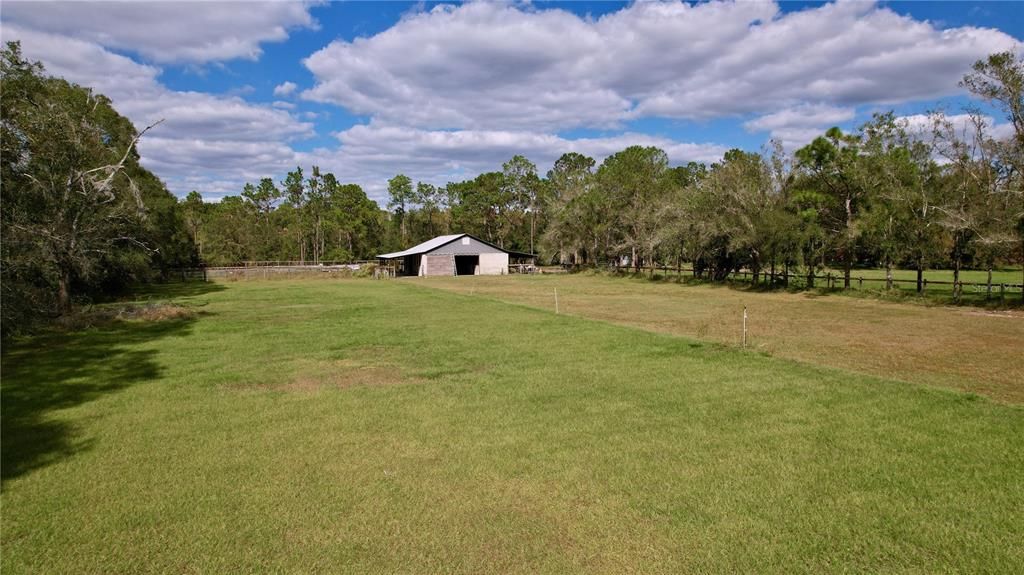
(361, 426)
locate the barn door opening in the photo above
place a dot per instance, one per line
(466, 265)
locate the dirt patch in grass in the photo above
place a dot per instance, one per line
(366, 367)
(346, 376)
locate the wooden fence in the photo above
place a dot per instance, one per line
(295, 263)
(1002, 291)
(260, 271)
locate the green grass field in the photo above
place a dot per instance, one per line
(358, 426)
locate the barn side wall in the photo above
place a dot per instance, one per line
(438, 265)
(493, 264)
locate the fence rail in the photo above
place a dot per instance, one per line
(295, 263)
(261, 271)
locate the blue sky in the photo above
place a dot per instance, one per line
(441, 91)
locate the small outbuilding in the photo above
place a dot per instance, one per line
(451, 255)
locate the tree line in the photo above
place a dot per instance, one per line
(307, 219)
(946, 194)
(81, 218)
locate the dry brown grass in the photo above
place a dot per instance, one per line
(343, 374)
(97, 316)
(961, 348)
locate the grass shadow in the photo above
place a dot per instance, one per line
(56, 371)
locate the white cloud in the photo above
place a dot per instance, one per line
(803, 116)
(796, 126)
(496, 66)
(922, 126)
(83, 62)
(285, 89)
(203, 137)
(370, 154)
(215, 144)
(168, 31)
(455, 91)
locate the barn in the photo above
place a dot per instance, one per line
(451, 255)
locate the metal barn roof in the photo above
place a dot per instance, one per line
(423, 248)
(440, 241)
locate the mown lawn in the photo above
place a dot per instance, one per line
(360, 426)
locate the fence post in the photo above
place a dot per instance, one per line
(860, 282)
(1002, 293)
(744, 327)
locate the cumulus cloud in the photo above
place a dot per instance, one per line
(963, 126)
(796, 126)
(496, 66)
(370, 154)
(202, 136)
(803, 116)
(83, 62)
(457, 90)
(217, 143)
(285, 89)
(194, 32)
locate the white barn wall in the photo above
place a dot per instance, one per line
(493, 264)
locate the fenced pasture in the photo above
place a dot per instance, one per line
(973, 287)
(962, 347)
(301, 426)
